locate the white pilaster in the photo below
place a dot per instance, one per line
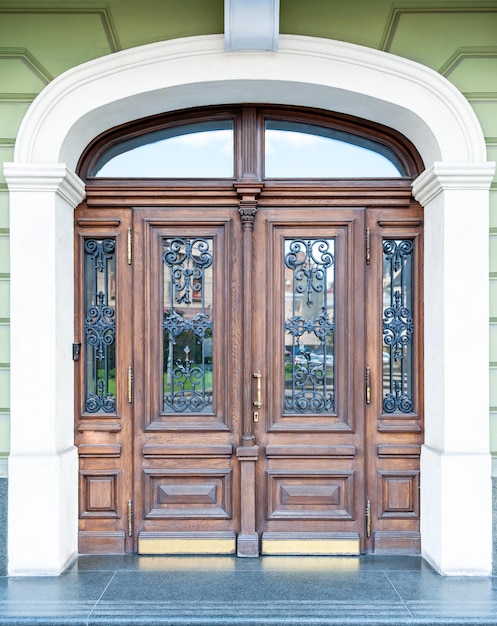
(43, 460)
(456, 518)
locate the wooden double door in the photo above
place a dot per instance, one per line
(249, 378)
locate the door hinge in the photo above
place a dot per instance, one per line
(76, 351)
(368, 248)
(367, 380)
(130, 518)
(130, 246)
(130, 384)
(368, 519)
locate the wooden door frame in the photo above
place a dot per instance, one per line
(247, 453)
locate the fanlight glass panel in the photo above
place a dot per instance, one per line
(298, 150)
(309, 326)
(100, 325)
(398, 326)
(188, 324)
(199, 150)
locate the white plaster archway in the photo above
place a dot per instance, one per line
(86, 100)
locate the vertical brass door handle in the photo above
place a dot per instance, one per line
(258, 403)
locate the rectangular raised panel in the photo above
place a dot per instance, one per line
(99, 496)
(310, 543)
(398, 494)
(390, 542)
(296, 451)
(101, 542)
(310, 495)
(98, 222)
(399, 451)
(186, 543)
(105, 426)
(401, 425)
(168, 450)
(100, 449)
(187, 493)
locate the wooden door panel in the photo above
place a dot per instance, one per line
(103, 413)
(187, 416)
(310, 476)
(394, 417)
(307, 494)
(188, 493)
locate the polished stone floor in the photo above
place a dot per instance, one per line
(296, 591)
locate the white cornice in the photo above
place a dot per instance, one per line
(443, 176)
(45, 177)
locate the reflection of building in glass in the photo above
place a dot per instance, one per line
(309, 324)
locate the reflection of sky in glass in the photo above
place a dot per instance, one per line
(210, 154)
(207, 154)
(300, 155)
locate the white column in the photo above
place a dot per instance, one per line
(456, 514)
(42, 532)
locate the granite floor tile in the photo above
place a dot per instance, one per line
(274, 591)
(74, 587)
(261, 586)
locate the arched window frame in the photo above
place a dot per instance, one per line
(248, 123)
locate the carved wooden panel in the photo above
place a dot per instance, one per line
(99, 493)
(310, 495)
(187, 493)
(398, 494)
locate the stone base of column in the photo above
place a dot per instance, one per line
(247, 545)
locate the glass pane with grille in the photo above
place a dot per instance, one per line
(188, 325)
(398, 325)
(100, 325)
(309, 280)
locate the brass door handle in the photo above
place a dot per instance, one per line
(258, 402)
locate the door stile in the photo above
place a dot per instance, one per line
(394, 415)
(103, 411)
(248, 452)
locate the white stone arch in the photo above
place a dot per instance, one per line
(88, 99)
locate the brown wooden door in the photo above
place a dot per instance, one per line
(308, 308)
(259, 406)
(186, 378)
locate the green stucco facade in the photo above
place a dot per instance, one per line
(39, 40)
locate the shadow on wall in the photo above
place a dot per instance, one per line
(494, 524)
(3, 526)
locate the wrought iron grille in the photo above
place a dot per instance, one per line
(187, 325)
(100, 325)
(398, 326)
(309, 325)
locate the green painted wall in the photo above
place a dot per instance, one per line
(40, 39)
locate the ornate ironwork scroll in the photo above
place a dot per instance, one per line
(187, 324)
(398, 326)
(100, 325)
(309, 326)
